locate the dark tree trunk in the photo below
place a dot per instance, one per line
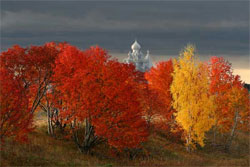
(215, 134)
(90, 140)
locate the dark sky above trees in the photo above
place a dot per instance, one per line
(163, 27)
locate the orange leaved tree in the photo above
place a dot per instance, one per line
(231, 99)
(221, 78)
(99, 99)
(238, 115)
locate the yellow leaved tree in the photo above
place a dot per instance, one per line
(191, 99)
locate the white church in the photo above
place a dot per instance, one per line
(141, 62)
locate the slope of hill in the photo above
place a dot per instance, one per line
(43, 150)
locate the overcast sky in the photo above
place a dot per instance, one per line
(218, 28)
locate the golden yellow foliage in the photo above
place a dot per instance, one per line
(191, 99)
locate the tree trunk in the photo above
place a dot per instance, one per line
(229, 143)
(188, 141)
(90, 140)
(50, 127)
(215, 133)
(214, 142)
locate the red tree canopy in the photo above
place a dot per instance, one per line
(25, 77)
(33, 66)
(103, 91)
(159, 80)
(16, 120)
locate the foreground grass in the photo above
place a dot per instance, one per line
(43, 150)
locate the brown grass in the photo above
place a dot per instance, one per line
(43, 150)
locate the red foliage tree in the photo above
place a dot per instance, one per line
(32, 67)
(152, 105)
(221, 79)
(159, 80)
(103, 94)
(15, 118)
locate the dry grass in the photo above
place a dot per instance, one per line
(43, 150)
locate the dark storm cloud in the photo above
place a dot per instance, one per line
(163, 27)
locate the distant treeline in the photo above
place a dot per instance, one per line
(247, 86)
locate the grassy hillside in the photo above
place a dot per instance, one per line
(43, 150)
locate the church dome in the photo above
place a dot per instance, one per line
(136, 46)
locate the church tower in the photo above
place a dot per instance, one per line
(141, 62)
